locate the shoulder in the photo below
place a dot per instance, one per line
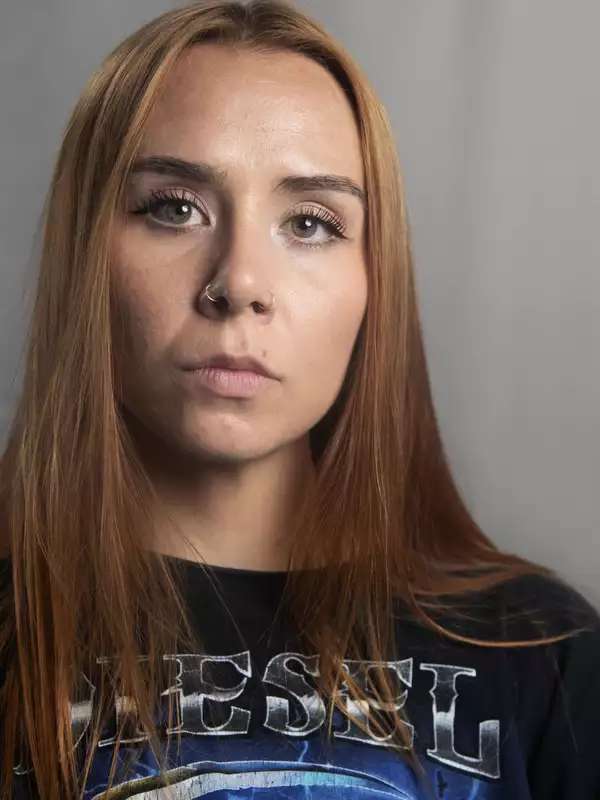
(558, 687)
(556, 601)
(520, 614)
(526, 607)
(557, 684)
(533, 607)
(546, 607)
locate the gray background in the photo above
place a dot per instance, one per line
(495, 109)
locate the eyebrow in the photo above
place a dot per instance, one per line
(205, 173)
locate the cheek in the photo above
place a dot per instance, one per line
(144, 323)
(326, 344)
(324, 341)
(139, 339)
(144, 297)
(341, 314)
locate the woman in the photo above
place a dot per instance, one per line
(236, 562)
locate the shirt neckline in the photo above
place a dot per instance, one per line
(234, 571)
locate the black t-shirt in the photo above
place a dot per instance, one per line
(486, 723)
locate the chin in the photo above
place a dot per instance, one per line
(224, 449)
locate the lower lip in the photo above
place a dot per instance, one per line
(229, 382)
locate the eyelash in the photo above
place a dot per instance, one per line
(159, 197)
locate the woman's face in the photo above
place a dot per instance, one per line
(254, 120)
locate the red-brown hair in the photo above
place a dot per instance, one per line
(384, 520)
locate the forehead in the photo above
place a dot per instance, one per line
(241, 109)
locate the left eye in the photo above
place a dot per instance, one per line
(315, 218)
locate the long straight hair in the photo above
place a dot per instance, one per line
(383, 520)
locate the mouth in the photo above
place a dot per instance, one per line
(228, 361)
(224, 382)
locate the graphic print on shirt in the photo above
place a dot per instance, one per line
(230, 751)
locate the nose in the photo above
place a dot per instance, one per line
(241, 280)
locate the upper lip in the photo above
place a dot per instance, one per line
(228, 361)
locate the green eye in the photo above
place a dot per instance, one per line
(318, 218)
(173, 201)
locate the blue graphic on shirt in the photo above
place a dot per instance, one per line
(287, 770)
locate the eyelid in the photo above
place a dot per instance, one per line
(174, 193)
(325, 215)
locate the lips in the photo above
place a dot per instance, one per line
(228, 361)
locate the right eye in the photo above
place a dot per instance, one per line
(178, 205)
